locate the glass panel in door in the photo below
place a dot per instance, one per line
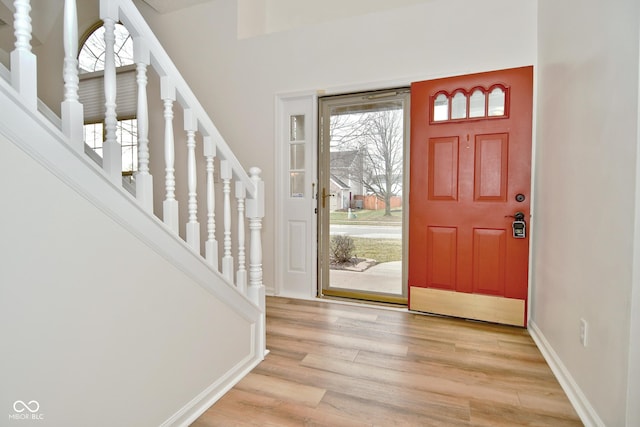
(361, 198)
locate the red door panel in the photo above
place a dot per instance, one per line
(470, 159)
(441, 265)
(491, 164)
(443, 169)
(489, 247)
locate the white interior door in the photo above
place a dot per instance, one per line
(295, 196)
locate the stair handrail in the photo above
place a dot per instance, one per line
(130, 16)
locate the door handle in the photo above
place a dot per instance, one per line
(518, 216)
(325, 195)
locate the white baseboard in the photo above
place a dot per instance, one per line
(580, 403)
(199, 404)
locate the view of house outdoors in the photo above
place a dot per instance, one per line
(366, 173)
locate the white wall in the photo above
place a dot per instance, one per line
(633, 388)
(237, 80)
(257, 17)
(585, 196)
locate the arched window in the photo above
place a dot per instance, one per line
(91, 62)
(91, 56)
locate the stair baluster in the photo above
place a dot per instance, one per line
(170, 204)
(23, 61)
(71, 109)
(193, 227)
(227, 258)
(241, 274)
(144, 180)
(111, 150)
(211, 246)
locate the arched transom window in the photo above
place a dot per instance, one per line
(474, 104)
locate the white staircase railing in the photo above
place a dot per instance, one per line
(249, 188)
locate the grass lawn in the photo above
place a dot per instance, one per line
(361, 215)
(382, 250)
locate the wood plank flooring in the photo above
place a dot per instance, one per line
(336, 365)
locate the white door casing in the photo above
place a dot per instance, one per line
(296, 189)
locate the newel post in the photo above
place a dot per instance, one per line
(255, 213)
(24, 76)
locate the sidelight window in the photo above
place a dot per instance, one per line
(296, 156)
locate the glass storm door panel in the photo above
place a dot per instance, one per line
(362, 195)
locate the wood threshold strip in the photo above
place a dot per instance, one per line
(349, 365)
(487, 308)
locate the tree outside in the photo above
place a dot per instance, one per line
(367, 150)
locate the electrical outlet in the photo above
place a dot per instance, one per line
(583, 332)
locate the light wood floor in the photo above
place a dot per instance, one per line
(343, 365)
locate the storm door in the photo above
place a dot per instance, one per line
(362, 195)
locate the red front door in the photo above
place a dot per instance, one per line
(470, 177)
